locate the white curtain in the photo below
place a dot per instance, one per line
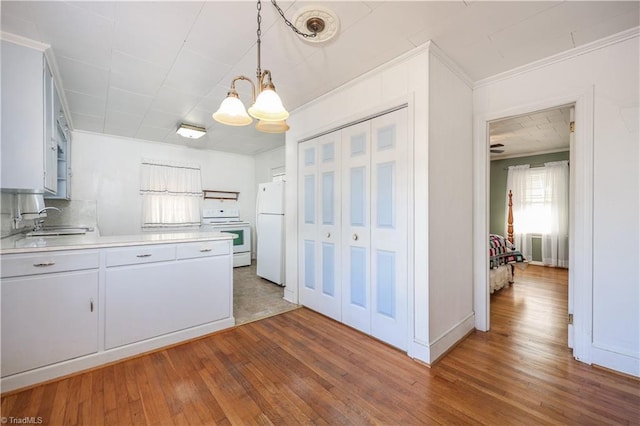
(555, 236)
(518, 182)
(171, 194)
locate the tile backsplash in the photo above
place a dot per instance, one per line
(73, 213)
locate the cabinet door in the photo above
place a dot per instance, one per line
(50, 134)
(62, 141)
(320, 225)
(356, 220)
(389, 227)
(47, 319)
(22, 141)
(150, 300)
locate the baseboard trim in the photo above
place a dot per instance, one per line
(450, 338)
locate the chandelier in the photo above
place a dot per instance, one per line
(267, 107)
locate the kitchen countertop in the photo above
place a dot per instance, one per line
(21, 244)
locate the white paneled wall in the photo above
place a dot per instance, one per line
(107, 169)
(604, 82)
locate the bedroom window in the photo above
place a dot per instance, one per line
(171, 194)
(534, 214)
(541, 207)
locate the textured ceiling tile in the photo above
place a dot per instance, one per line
(76, 33)
(85, 104)
(136, 75)
(90, 123)
(83, 78)
(161, 119)
(176, 102)
(128, 102)
(195, 74)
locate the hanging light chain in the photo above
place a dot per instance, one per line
(290, 25)
(258, 34)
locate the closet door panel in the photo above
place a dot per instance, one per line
(356, 194)
(320, 225)
(330, 293)
(389, 228)
(308, 227)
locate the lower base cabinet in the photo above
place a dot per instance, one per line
(66, 311)
(164, 297)
(47, 319)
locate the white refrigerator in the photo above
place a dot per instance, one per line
(270, 231)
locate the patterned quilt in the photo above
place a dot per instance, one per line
(502, 252)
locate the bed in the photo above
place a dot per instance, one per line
(504, 256)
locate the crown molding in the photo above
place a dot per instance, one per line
(563, 56)
(23, 41)
(449, 63)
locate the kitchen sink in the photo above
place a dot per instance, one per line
(54, 231)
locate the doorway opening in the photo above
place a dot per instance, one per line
(529, 157)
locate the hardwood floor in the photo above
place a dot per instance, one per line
(302, 368)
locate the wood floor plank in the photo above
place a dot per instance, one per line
(302, 368)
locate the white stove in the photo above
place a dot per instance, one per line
(225, 217)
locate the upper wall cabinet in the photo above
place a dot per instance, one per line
(33, 138)
(56, 125)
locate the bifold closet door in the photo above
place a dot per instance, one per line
(356, 221)
(319, 267)
(389, 228)
(374, 227)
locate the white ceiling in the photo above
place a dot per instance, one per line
(539, 132)
(138, 69)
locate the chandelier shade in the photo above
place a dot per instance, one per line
(268, 106)
(232, 112)
(272, 126)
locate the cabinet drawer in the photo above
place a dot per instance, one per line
(43, 263)
(140, 254)
(203, 249)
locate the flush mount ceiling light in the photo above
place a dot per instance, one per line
(267, 106)
(190, 131)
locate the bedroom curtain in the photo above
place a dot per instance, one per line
(555, 235)
(171, 194)
(518, 178)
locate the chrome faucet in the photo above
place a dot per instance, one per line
(48, 208)
(39, 222)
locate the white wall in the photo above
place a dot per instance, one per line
(450, 208)
(267, 162)
(611, 74)
(107, 169)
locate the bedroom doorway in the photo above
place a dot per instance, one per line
(526, 153)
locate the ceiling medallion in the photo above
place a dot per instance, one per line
(319, 20)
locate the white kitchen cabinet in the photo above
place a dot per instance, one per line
(69, 310)
(353, 219)
(49, 316)
(29, 141)
(150, 299)
(62, 139)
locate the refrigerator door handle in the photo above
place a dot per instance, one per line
(257, 210)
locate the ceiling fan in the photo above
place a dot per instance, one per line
(493, 148)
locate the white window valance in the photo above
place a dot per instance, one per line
(171, 194)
